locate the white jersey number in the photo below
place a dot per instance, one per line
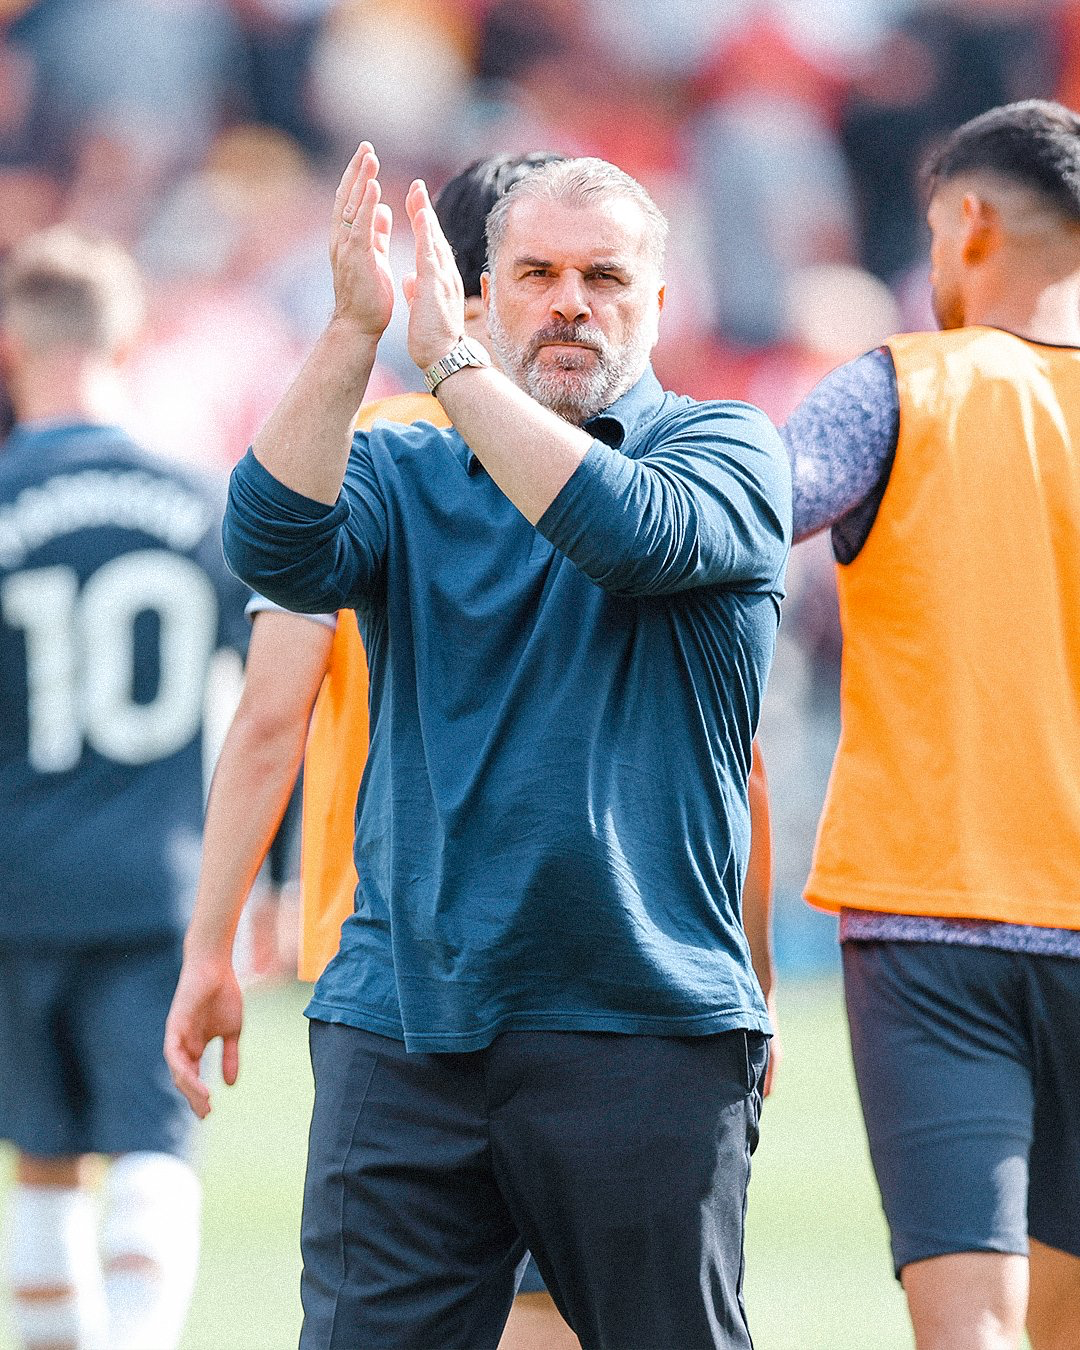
(80, 656)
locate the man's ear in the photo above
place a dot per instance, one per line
(485, 290)
(981, 226)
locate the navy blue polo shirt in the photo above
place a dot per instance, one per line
(552, 828)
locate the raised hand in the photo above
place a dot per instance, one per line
(360, 246)
(434, 292)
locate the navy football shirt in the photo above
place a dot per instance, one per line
(114, 600)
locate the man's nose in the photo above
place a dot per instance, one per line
(570, 302)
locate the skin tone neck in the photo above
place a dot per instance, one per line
(1002, 258)
(62, 384)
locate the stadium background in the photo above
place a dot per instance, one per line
(782, 139)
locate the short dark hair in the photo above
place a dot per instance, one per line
(1035, 143)
(462, 206)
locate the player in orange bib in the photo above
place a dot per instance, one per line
(948, 467)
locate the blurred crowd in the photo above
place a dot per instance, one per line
(783, 139)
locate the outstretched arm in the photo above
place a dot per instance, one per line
(255, 773)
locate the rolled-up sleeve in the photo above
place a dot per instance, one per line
(707, 502)
(300, 553)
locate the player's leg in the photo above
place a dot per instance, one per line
(149, 1248)
(625, 1161)
(1054, 1307)
(150, 1199)
(50, 1241)
(942, 1063)
(407, 1241)
(1054, 1197)
(967, 1301)
(535, 1322)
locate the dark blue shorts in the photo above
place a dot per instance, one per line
(81, 1066)
(968, 1067)
(621, 1161)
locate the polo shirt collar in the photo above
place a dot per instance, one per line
(616, 424)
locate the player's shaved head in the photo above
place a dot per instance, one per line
(1026, 154)
(1004, 216)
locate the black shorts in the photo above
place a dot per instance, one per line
(968, 1065)
(621, 1161)
(81, 1064)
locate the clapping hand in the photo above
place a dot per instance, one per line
(434, 292)
(360, 246)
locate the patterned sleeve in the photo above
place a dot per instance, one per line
(841, 441)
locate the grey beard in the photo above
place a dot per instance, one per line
(574, 395)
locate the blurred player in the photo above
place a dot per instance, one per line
(114, 599)
(948, 466)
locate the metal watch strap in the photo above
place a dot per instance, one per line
(463, 353)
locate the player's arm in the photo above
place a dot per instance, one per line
(757, 902)
(256, 770)
(305, 442)
(289, 530)
(841, 441)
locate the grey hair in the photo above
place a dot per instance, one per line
(578, 182)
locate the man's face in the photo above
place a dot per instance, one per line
(946, 219)
(575, 301)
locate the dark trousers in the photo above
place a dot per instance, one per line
(622, 1162)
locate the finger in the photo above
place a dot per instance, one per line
(383, 224)
(366, 174)
(408, 287)
(424, 210)
(352, 168)
(230, 1060)
(364, 224)
(348, 178)
(185, 1074)
(428, 260)
(416, 198)
(422, 213)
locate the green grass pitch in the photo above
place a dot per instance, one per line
(818, 1274)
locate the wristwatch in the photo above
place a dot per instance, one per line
(465, 352)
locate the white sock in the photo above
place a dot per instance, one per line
(150, 1249)
(52, 1243)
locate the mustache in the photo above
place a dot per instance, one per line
(579, 334)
